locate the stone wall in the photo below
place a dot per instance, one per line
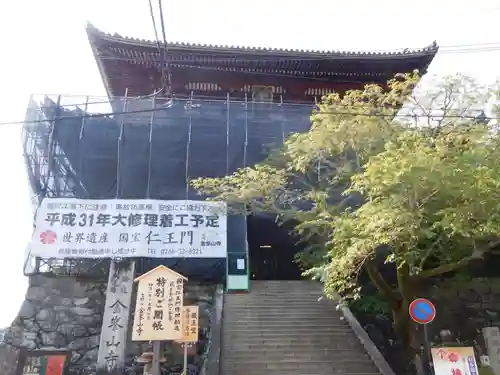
(60, 313)
(464, 307)
(8, 359)
(65, 314)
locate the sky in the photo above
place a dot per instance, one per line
(44, 49)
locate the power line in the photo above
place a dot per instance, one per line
(158, 46)
(381, 115)
(165, 49)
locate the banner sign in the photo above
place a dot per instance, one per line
(118, 228)
(454, 361)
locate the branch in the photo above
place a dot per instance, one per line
(448, 267)
(477, 254)
(430, 251)
(379, 281)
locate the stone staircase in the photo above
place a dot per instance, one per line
(281, 328)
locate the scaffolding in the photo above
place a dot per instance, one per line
(134, 148)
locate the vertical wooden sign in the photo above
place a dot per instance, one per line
(190, 321)
(116, 316)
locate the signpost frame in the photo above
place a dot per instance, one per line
(422, 311)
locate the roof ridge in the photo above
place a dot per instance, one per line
(432, 48)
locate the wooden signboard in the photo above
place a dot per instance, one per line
(158, 311)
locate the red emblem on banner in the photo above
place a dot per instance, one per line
(453, 357)
(48, 237)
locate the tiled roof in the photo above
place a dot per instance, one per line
(431, 49)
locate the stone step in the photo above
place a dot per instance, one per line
(310, 371)
(285, 291)
(292, 351)
(293, 345)
(285, 337)
(263, 304)
(287, 314)
(307, 294)
(287, 330)
(274, 334)
(258, 284)
(289, 326)
(283, 314)
(327, 366)
(291, 294)
(273, 338)
(287, 363)
(266, 321)
(296, 324)
(294, 320)
(303, 355)
(276, 306)
(274, 300)
(302, 372)
(306, 368)
(304, 294)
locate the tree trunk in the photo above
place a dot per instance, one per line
(406, 331)
(418, 360)
(406, 328)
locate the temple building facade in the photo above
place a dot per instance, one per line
(173, 113)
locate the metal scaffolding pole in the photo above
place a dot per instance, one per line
(81, 142)
(150, 156)
(119, 149)
(227, 132)
(246, 132)
(188, 144)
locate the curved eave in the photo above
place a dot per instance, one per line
(96, 35)
(100, 64)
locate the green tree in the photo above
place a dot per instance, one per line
(396, 171)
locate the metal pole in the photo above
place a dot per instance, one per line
(150, 158)
(188, 145)
(227, 133)
(81, 145)
(246, 132)
(184, 369)
(119, 147)
(427, 351)
(51, 144)
(155, 370)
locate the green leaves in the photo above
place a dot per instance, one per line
(420, 182)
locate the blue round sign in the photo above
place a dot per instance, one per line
(422, 311)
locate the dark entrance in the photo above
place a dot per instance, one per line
(271, 250)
